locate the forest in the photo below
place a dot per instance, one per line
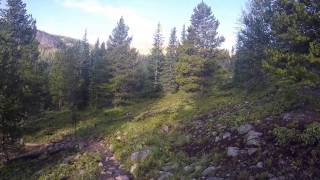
(187, 110)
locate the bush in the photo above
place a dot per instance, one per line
(285, 136)
(311, 135)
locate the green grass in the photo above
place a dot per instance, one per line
(150, 124)
(82, 166)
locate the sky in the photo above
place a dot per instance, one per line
(71, 18)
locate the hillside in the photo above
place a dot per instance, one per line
(52, 42)
(227, 135)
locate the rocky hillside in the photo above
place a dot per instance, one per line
(51, 42)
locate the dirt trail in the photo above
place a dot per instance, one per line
(111, 168)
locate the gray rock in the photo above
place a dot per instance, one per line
(188, 169)
(220, 126)
(233, 151)
(286, 116)
(111, 147)
(214, 133)
(198, 168)
(243, 129)
(209, 171)
(134, 169)
(215, 178)
(124, 177)
(165, 129)
(165, 176)
(259, 165)
(170, 167)
(68, 160)
(81, 172)
(253, 138)
(140, 156)
(251, 151)
(269, 119)
(278, 178)
(217, 139)
(226, 135)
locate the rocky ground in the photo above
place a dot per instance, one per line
(111, 169)
(251, 150)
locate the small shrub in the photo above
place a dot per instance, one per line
(311, 135)
(285, 136)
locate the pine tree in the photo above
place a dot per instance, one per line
(203, 30)
(57, 85)
(100, 77)
(169, 84)
(84, 71)
(295, 47)
(119, 36)
(253, 39)
(157, 56)
(19, 84)
(122, 59)
(183, 35)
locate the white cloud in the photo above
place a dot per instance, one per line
(140, 28)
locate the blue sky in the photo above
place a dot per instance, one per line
(99, 17)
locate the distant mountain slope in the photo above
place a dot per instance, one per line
(49, 42)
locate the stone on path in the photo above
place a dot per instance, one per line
(243, 129)
(209, 171)
(233, 151)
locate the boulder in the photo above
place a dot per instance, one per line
(251, 151)
(188, 169)
(226, 135)
(215, 178)
(214, 133)
(259, 165)
(233, 151)
(278, 178)
(133, 169)
(165, 176)
(209, 171)
(123, 177)
(140, 156)
(253, 138)
(243, 129)
(170, 167)
(217, 139)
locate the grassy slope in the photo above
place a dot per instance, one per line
(157, 124)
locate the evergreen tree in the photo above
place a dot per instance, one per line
(203, 30)
(197, 60)
(157, 56)
(279, 41)
(119, 36)
(57, 84)
(20, 90)
(169, 84)
(295, 46)
(100, 77)
(123, 60)
(84, 71)
(253, 39)
(183, 35)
